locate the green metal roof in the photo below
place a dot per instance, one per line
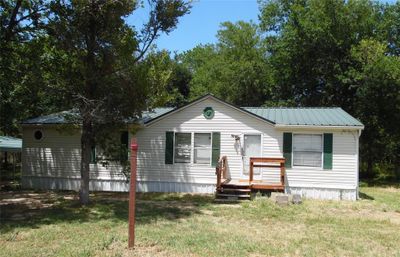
(10, 144)
(54, 118)
(306, 116)
(281, 116)
(155, 113)
(66, 117)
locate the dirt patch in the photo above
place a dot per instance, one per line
(21, 205)
(140, 250)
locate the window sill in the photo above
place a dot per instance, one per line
(193, 164)
(305, 168)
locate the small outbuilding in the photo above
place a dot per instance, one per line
(206, 145)
(10, 152)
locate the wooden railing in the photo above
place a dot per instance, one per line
(271, 163)
(221, 171)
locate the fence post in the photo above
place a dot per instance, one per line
(132, 193)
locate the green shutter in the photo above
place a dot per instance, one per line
(287, 149)
(124, 145)
(169, 147)
(93, 154)
(328, 144)
(216, 147)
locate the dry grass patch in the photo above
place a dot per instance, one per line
(193, 225)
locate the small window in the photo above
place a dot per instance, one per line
(38, 135)
(307, 150)
(202, 148)
(183, 145)
(124, 151)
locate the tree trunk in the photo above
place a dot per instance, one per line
(88, 134)
(87, 140)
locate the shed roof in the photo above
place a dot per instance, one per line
(10, 144)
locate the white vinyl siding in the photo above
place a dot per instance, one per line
(343, 174)
(307, 150)
(226, 120)
(57, 155)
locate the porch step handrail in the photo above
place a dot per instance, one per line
(221, 171)
(275, 163)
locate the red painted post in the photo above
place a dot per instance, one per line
(132, 193)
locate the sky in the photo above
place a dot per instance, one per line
(203, 22)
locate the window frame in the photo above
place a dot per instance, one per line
(194, 148)
(322, 151)
(192, 163)
(191, 148)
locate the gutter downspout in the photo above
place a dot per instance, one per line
(358, 164)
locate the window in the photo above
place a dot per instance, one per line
(183, 147)
(202, 148)
(124, 151)
(307, 150)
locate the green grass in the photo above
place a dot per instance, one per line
(53, 224)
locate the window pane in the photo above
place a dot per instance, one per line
(311, 143)
(183, 144)
(202, 148)
(202, 139)
(312, 159)
(307, 150)
(202, 156)
(252, 145)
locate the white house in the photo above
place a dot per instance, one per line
(179, 149)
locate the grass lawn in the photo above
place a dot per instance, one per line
(53, 224)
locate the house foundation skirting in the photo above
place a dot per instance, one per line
(324, 193)
(115, 185)
(161, 186)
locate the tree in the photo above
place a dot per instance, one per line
(99, 56)
(235, 68)
(167, 78)
(20, 23)
(377, 77)
(310, 43)
(340, 53)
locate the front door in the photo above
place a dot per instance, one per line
(251, 148)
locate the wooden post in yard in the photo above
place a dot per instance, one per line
(132, 193)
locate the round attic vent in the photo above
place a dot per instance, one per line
(38, 135)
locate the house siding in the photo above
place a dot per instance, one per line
(226, 120)
(58, 155)
(54, 161)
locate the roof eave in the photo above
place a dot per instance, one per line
(319, 127)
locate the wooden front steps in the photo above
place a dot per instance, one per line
(232, 192)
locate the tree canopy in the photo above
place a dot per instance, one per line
(313, 53)
(82, 55)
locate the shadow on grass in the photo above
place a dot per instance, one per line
(29, 209)
(365, 196)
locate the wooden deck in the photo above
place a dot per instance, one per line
(255, 184)
(241, 188)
